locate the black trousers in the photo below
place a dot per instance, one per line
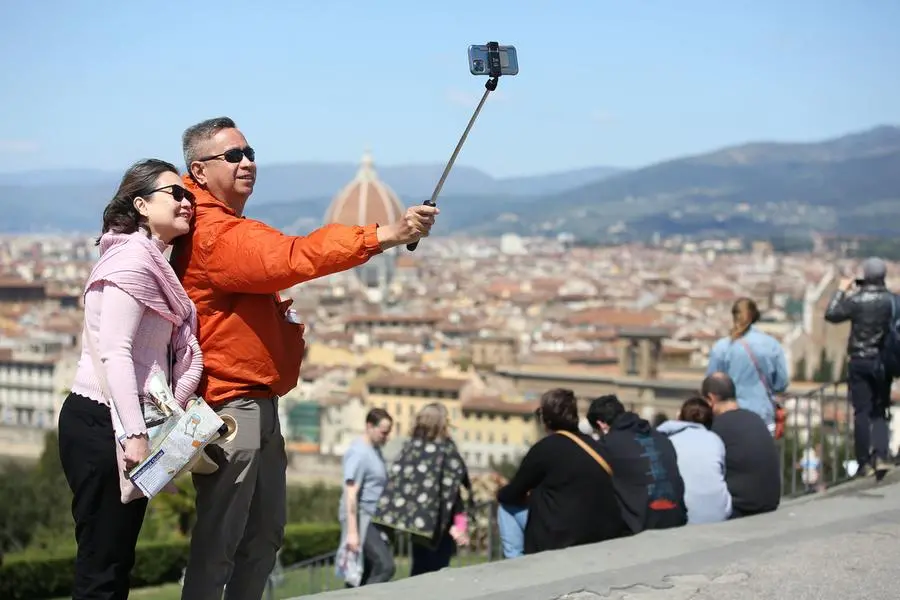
(429, 560)
(870, 395)
(105, 529)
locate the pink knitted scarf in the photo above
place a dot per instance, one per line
(134, 263)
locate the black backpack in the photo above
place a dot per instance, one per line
(890, 347)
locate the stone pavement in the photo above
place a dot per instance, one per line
(843, 545)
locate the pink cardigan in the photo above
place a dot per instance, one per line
(132, 343)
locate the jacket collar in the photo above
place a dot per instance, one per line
(204, 198)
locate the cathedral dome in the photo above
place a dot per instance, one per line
(365, 200)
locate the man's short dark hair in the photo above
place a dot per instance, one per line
(605, 409)
(696, 410)
(719, 384)
(377, 415)
(559, 410)
(195, 136)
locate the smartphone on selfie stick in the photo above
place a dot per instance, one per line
(493, 61)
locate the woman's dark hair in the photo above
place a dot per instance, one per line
(744, 314)
(696, 410)
(559, 410)
(120, 215)
(658, 419)
(375, 416)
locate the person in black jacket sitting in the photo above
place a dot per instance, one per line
(868, 305)
(647, 481)
(752, 460)
(563, 492)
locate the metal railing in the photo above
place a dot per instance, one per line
(817, 448)
(317, 574)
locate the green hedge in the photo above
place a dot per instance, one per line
(32, 575)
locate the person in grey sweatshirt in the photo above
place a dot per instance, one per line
(701, 461)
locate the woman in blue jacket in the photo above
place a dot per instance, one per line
(754, 360)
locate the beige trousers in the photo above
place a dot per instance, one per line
(241, 509)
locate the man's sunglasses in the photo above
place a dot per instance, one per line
(176, 191)
(234, 155)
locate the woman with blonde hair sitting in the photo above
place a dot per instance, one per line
(423, 493)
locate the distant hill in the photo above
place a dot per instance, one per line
(73, 200)
(847, 185)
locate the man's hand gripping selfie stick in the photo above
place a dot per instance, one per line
(489, 86)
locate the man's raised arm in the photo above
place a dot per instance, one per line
(249, 256)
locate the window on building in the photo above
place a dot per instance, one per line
(632, 358)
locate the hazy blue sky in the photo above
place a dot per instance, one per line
(102, 83)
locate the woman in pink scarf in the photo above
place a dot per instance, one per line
(137, 321)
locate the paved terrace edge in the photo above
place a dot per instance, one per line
(651, 557)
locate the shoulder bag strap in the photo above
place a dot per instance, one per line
(759, 372)
(589, 450)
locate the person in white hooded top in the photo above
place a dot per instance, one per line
(701, 461)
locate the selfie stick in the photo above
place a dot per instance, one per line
(489, 86)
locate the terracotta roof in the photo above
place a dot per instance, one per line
(381, 318)
(614, 317)
(400, 337)
(412, 382)
(303, 447)
(493, 404)
(334, 336)
(549, 284)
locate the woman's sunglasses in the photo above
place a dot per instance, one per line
(176, 191)
(234, 155)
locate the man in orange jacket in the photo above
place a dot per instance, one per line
(233, 269)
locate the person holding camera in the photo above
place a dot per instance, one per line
(867, 304)
(233, 268)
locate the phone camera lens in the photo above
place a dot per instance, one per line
(478, 65)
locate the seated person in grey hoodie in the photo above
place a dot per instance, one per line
(701, 462)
